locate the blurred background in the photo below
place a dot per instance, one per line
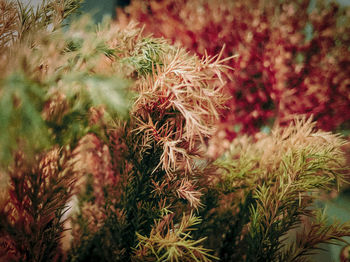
(97, 8)
(107, 7)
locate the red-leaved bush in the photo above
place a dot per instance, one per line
(293, 56)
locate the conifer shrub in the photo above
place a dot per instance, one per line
(104, 153)
(293, 56)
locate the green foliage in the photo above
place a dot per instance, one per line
(110, 237)
(284, 185)
(104, 156)
(147, 54)
(20, 115)
(172, 243)
(48, 86)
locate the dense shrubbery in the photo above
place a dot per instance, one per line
(104, 153)
(293, 56)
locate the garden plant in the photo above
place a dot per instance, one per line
(106, 153)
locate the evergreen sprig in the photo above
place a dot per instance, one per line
(169, 242)
(153, 167)
(285, 174)
(32, 213)
(309, 238)
(8, 23)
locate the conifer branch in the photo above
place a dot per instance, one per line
(287, 170)
(32, 217)
(169, 242)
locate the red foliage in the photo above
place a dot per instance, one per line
(93, 158)
(33, 206)
(293, 55)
